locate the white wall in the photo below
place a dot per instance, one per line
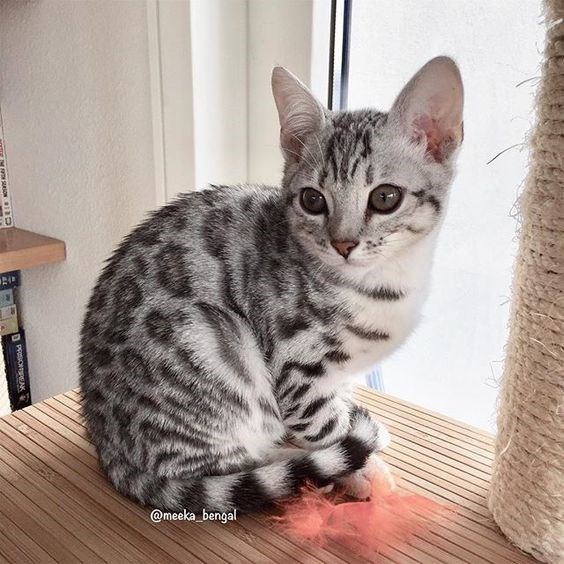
(219, 65)
(74, 89)
(279, 34)
(172, 99)
(453, 361)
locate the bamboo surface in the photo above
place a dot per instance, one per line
(56, 506)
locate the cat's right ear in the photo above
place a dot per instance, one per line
(299, 112)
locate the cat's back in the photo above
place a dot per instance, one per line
(197, 248)
(195, 229)
(147, 326)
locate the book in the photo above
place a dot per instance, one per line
(8, 311)
(8, 319)
(8, 326)
(9, 280)
(4, 396)
(6, 214)
(17, 372)
(6, 297)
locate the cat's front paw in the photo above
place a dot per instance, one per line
(384, 438)
(359, 483)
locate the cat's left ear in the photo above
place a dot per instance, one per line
(299, 112)
(429, 108)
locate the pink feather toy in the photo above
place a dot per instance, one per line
(387, 518)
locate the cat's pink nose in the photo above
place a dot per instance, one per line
(344, 248)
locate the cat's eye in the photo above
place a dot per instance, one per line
(313, 201)
(386, 198)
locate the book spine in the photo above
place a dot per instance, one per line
(8, 312)
(5, 406)
(9, 280)
(8, 319)
(6, 214)
(8, 326)
(17, 371)
(6, 297)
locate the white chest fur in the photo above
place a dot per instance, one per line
(393, 319)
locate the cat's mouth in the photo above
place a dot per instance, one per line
(351, 263)
(356, 263)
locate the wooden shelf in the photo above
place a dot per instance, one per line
(21, 249)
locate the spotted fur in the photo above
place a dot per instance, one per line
(226, 322)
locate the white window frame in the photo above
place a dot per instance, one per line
(192, 84)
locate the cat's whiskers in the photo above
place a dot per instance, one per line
(391, 258)
(397, 240)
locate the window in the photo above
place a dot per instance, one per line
(453, 362)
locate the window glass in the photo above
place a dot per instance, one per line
(452, 363)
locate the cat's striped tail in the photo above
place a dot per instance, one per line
(258, 488)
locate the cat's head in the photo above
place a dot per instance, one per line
(363, 185)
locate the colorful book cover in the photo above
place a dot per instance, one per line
(8, 311)
(9, 280)
(8, 320)
(8, 326)
(6, 215)
(17, 371)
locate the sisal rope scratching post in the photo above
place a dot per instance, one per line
(527, 489)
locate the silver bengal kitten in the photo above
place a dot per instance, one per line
(233, 318)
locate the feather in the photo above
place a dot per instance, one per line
(388, 518)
